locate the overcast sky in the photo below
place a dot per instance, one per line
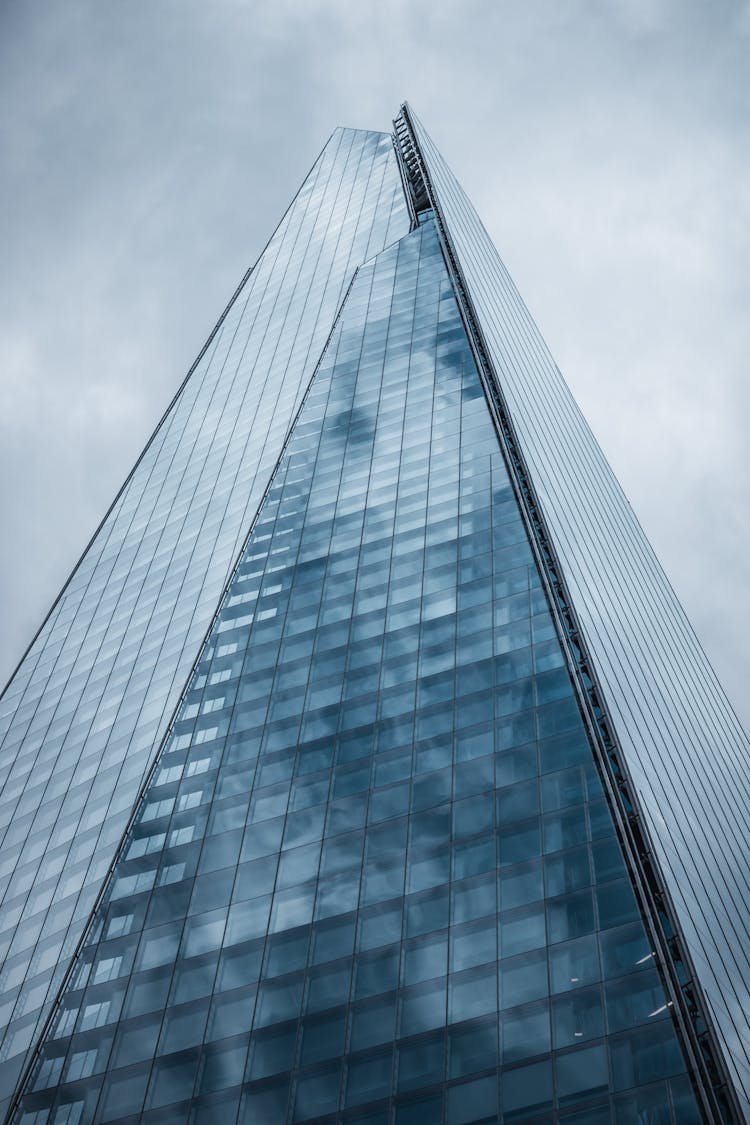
(148, 148)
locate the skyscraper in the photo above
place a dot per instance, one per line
(366, 768)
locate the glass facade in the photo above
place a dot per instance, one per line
(682, 744)
(301, 803)
(373, 877)
(86, 710)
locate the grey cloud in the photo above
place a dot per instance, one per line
(147, 150)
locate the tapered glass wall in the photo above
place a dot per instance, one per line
(374, 877)
(86, 710)
(682, 744)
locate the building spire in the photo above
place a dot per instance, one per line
(409, 161)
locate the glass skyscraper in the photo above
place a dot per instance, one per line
(366, 769)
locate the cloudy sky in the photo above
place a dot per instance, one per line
(148, 149)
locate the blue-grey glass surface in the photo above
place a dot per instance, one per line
(373, 877)
(85, 712)
(684, 746)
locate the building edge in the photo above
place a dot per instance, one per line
(690, 1011)
(14, 1105)
(167, 411)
